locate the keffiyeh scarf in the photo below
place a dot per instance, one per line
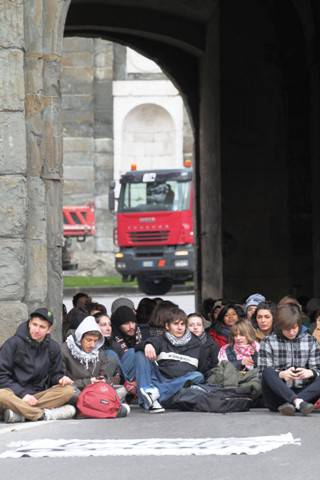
(79, 354)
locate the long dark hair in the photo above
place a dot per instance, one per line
(238, 309)
(270, 306)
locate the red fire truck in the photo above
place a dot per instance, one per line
(154, 229)
(78, 222)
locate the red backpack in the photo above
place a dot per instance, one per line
(98, 400)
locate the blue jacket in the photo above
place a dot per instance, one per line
(27, 366)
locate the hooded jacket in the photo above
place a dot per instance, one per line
(81, 366)
(28, 366)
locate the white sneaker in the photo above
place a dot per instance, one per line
(61, 413)
(150, 396)
(124, 410)
(156, 407)
(10, 416)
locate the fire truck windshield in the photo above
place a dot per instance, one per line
(154, 196)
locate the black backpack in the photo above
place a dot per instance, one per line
(211, 398)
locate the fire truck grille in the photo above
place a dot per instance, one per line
(149, 236)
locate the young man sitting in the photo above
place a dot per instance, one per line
(167, 362)
(289, 361)
(127, 335)
(32, 381)
(85, 361)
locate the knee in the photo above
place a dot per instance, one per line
(268, 373)
(140, 355)
(68, 390)
(131, 353)
(199, 378)
(5, 393)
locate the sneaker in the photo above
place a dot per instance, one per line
(60, 413)
(287, 409)
(305, 408)
(124, 410)
(121, 392)
(10, 416)
(156, 407)
(150, 395)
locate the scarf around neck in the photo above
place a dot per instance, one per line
(178, 341)
(79, 354)
(243, 351)
(203, 337)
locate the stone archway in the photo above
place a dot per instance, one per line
(183, 37)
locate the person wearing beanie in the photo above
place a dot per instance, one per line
(121, 302)
(251, 304)
(32, 381)
(127, 334)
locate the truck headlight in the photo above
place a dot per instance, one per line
(119, 255)
(181, 253)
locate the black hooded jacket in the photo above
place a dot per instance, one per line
(27, 366)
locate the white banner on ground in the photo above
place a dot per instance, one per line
(148, 446)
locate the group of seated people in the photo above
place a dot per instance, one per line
(150, 353)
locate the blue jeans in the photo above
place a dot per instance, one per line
(128, 364)
(112, 355)
(149, 375)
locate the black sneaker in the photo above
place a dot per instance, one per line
(305, 408)
(156, 408)
(287, 409)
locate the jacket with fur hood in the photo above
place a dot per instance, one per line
(81, 366)
(28, 366)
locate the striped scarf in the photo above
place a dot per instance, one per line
(178, 341)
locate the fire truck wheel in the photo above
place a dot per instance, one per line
(156, 286)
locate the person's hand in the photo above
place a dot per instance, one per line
(247, 362)
(150, 352)
(30, 400)
(97, 379)
(288, 374)
(65, 381)
(303, 373)
(131, 386)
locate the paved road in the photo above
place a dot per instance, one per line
(186, 301)
(286, 462)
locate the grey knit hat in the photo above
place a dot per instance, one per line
(122, 302)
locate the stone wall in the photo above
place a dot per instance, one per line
(88, 144)
(13, 168)
(30, 160)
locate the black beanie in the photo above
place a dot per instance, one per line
(122, 315)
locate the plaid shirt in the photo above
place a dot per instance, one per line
(280, 353)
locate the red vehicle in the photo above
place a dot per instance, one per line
(154, 228)
(78, 222)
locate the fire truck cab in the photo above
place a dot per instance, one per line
(154, 229)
